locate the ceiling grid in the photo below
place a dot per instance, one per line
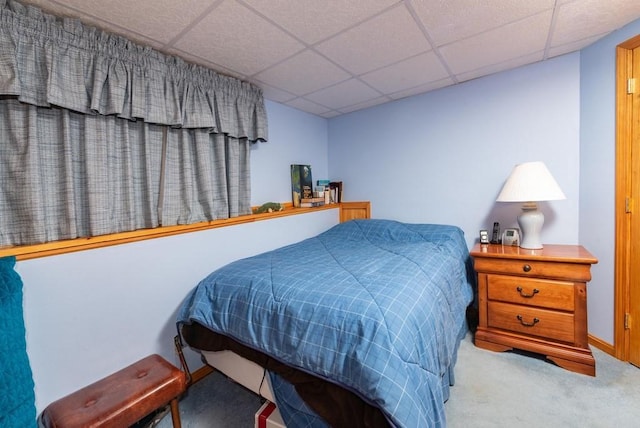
(330, 57)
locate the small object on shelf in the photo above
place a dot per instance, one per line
(326, 191)
(268, 207)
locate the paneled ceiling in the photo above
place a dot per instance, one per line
(330, 57)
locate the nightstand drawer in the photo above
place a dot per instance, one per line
(532, 321)
(531, 292)
(534, 268)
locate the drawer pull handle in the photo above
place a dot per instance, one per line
(526, 268)
(528, 296)
(526, 324)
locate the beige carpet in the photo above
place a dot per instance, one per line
(511, 390)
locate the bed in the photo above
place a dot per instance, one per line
(357, 326)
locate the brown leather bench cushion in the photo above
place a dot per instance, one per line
(120, 399)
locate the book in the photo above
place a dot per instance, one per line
(336, 191)
(312, 202)
(301, 183)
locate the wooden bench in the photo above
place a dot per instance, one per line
(121, 399)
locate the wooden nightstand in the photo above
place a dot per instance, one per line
(535, 300)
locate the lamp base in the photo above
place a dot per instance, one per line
(530, 222)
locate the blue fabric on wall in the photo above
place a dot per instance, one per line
(17, 398)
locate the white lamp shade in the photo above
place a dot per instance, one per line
(530, 182)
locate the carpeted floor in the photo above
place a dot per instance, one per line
(215, 402)
(508, 389)
(492, 390)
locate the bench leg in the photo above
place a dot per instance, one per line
(175, 413)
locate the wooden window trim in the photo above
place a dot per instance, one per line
(26, 252)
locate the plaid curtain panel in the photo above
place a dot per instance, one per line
(99, 135)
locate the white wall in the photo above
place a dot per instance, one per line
(443, 157)
(90, 313)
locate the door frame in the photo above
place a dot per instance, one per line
(623, 180)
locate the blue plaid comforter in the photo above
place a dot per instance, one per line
(376, 306)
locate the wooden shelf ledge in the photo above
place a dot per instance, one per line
(26, 252)
(348, 210)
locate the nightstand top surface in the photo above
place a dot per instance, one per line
(552, 252)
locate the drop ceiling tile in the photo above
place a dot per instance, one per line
(304, 73)
(343, 94)
(313, 21)
(381, 41)
(407, 74)
(582, 19)
(233, 35)
(160, 20)
(330, 114)
(574, 46)
(274, 94)
(422, 88)
(447, 21)
(53, 8)
(91, 20)
(502, 66)
(308, 106)
(187, 56)
(365, 104)
(499, 45)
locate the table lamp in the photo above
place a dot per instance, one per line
(530, 182)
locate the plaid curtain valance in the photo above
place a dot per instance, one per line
(47, 60)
